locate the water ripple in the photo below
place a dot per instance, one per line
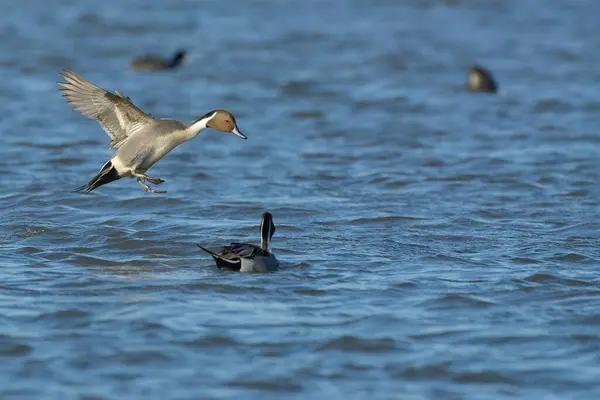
(434, 242)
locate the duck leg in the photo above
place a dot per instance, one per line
(148, 188)
(155, 181)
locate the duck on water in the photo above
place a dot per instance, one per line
(480, 80)
(152, 62)
(245, 257)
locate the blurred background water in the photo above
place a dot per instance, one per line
(436, 244)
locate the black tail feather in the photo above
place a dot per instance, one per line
(107, 174)
(223, 262)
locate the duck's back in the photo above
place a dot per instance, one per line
(149, 62)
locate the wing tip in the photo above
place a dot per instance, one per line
(82, 189)
(65, 73)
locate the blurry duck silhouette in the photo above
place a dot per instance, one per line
(152, 62)
(480, 80)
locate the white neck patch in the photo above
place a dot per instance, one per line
(207, 120)
(200, 125)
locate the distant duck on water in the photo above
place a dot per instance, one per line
(152, 62)
(480, 80)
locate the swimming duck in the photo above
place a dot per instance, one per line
(141, 140)
(152, 62)
(246, 257)
(480, 80)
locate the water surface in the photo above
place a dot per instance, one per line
(435, 244)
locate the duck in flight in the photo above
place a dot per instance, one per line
(140, 139)
(152, 62)
(245, 257)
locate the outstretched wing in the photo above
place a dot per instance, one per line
(117, 115)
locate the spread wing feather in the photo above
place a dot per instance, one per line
(117, 114)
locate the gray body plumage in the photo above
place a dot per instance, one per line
(151, 143)
(252, 258)
(244, 257)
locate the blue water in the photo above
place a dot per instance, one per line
(435, 244)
